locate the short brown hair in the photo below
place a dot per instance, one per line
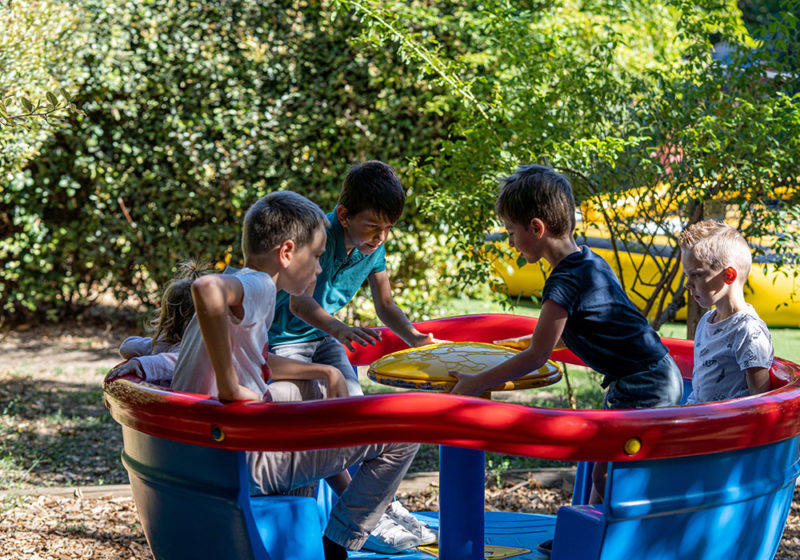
(717, 245)
(373, 185)
(277, 217)
(536, 191)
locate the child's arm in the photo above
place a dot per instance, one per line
(391, 314)
(547, 333)
(306, 308)
(288, 369)
(214, 296)
(523, 342)
(757, 380)
(135, 346)
(158, 367)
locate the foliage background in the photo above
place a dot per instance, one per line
(191, 110)
(668, 108)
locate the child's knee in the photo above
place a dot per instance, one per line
(403, 450)
(289, 391)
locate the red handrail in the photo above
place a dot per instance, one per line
(467, 421)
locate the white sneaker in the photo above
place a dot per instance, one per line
(390, 537)
(403, 517)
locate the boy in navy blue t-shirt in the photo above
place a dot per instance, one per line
(583, 304)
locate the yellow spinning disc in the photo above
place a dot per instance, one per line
(426, 368)
(490, 552)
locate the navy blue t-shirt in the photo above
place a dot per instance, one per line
(604, 328)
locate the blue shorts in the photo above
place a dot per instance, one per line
(660, 384)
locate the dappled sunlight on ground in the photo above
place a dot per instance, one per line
(55, 431)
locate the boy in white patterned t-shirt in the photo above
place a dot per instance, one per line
(222, 355)
(732, 348)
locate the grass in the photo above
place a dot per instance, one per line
(7, 503)
(56, 434)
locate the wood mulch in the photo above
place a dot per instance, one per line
(56, 432)
(52, 527)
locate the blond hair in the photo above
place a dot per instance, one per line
(177, 306)
(717, 245)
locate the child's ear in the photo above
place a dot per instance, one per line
(537, 227)
(285, 253)
(342, 214)
(730, 275)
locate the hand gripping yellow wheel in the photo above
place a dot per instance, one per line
(426, 368)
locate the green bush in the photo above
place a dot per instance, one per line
(192, 110)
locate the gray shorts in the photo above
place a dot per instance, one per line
(660, 384)
(359, 508)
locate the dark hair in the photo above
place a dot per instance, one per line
(536, 191)
(279, 216)
(177, 306)
(373, 185)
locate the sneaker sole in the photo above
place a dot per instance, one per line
(385, 550)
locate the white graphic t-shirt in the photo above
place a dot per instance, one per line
(724, 350)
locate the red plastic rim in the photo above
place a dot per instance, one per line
(599, 435)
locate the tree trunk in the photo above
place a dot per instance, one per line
(714, 209)
(693, 314)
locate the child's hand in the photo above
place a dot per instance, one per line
(468, 384)
(337, 386)
(240, 393)
(361, 335)
(131, 367)
(425, 339)
(518, 343)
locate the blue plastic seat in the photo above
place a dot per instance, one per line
(718, 506)
(194, 502)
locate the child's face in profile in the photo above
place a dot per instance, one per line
(365, 231)
(705, 285)
(523, 239)
(304, 266)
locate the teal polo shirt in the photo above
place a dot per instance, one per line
(341, 277)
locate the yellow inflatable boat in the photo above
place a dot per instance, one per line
(773, 291)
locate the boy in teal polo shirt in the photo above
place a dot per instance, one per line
(304, 328)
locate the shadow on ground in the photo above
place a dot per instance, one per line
(56, 434)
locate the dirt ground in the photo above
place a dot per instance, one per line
(55, 432)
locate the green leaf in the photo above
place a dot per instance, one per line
(26, 104)
(52, 99)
